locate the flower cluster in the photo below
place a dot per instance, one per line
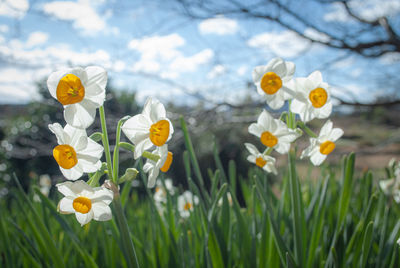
(308, 97)
(82, 92)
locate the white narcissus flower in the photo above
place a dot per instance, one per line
(273, 133)
(312, 97)
(76, 153)
(265, 162)
(81, 91)
(186, 203)
(86, 202)
(153, 168)
(323, 145)
(271, 81)
(149, 128)
(160, 195)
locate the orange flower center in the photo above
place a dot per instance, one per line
(159, 132)
(82, 204)
(188, 206)
(318, 97)
(327, 147)
(70, 90)
(268, 139)
(270, 83)
(261, 162)
(65, 156)
(167, 163)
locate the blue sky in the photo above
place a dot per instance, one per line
(149, 47)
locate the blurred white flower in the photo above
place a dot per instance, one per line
(312, 97)
(86, 202)
(186, 203)
(160, 194)
(149, 128)
(228, 197)
(391, 186)
(81, 91)
(271, 81)
(323, 145)
(273, 133)
(153, 168)
(265, 162)
(76, 153)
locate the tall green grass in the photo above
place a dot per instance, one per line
(341, 220)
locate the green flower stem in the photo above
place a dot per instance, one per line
(106, 144)
(291, 122)
(95, 178)
(127, 244)
(116, 149)
(307, 129)
(130, 147)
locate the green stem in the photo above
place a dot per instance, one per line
(268, 151)
(116, 149)
(307, 129)
(106, 144)
(127, 244)
(146, 154)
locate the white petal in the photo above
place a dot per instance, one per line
(157, 111)
(258, 73)
(92, 149)
(324, 111)
(101, 211)
(53, 80)
(84, 218)
(282, 147)
(315, 78)
(65, 205)
(76, 135)
(317, 158)
(252, 158)
(277, 102)
(137, 124)
(80, 115)
(151, 181)
(101, 194)
(290, 68)
(279, 68)
(96, 84)
(297, 106)
(66, 188)
(87, 165)
(73, 173)
(326, 129)
(62, 137)
(335, 134)
(251, 148)
(141, 147)
(265, 120)
(256, 129)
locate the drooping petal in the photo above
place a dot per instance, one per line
(80, 115)
(101, 211)
(84, 218)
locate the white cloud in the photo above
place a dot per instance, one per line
(217, 71)
(242, 70)
(313, 34)
(162, 54)
(284, 44)
(36, 39)
(337, 13)
(219, 26)
(82, 14)
(4, 28)
(158, 47)
(14, 8)
(390, 58)
(190, 64)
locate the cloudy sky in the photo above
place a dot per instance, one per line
(151, 48)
